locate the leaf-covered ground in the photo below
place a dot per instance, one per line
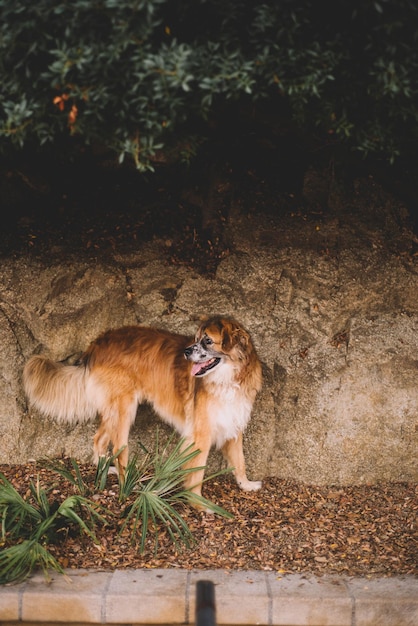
(288, 527)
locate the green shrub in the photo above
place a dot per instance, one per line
(30, 524)
(152, 490)
(149, 499)
(141, 75)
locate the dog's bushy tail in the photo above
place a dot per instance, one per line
(58, 390)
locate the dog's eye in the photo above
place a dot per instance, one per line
(207, 341)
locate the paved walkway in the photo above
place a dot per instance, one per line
(168, 597)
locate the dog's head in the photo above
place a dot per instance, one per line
(218, 341)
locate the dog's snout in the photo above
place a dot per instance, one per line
(195, 352)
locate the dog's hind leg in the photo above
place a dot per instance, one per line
(234, 454)
(116, 423)
(101, 442)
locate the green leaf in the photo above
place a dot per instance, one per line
(19, 561)
(17, 514)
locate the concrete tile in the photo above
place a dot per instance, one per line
(169, 596)
(78, 597)
(309, 601)
(385, 601)
(9, 603)
(47, 624)
(147, 597)
(241, 597)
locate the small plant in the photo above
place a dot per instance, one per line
(157, 481)
(149, 497)
(31, 523)
(70, 470)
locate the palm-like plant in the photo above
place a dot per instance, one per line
(70, 470)
(31, 524)
(156, 484)
(149, 495)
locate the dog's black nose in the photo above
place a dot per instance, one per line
(188, 352)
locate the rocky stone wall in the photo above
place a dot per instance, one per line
(332, 306)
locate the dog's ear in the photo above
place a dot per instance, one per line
(233, 335)
(202, 320)
(211, 323)
(242, 337)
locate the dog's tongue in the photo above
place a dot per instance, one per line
(198, 367)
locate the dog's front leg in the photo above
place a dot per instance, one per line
(194, 478)
(234, 454)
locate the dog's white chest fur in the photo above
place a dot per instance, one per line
(229, 414)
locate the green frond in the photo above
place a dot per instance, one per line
(73, 475)
(136, 473)
(40, 498)
(17, 515)
(19, 561)
(102, 471)
(68, 510)
(192, 499)
(150, 506)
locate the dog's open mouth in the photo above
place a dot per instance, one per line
(200, 369)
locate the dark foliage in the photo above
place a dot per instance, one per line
(148, 77)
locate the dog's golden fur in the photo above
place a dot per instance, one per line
(204, 387)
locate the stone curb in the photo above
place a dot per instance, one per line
(162, 596)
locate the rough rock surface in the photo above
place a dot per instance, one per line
(330, 298)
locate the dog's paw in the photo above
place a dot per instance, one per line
(250, 485)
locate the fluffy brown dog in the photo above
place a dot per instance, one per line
(204, 388)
